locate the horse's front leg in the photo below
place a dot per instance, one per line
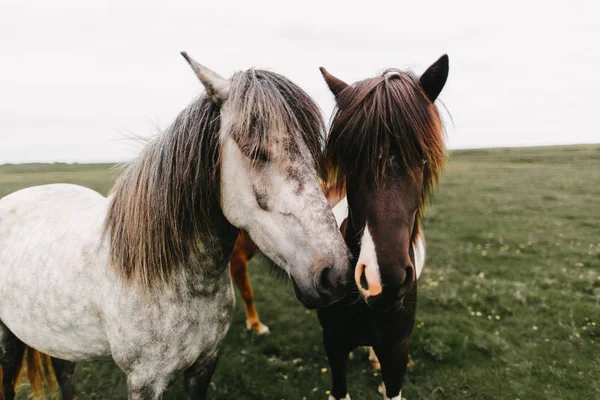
(147, 390)
(337, 354)
(64, 371)
(239, 271)
(394, 363)
(197, 378)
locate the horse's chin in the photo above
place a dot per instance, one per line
(309, 302)
(380, 303)
(300, 296)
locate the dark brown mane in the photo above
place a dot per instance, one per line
(161, 211)
(384, 122)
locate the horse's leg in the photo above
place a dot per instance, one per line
(197, 379)
(337, 354)
(145, 390)
(239, 270)
(64, 371)
(11, 356)
(373, 359)
(394, 362)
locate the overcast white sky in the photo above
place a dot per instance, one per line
(77, 77)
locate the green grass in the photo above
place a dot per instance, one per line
(509, 303)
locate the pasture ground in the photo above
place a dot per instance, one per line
(509, 303)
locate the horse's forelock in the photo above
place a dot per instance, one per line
(269, 106)
(382, 119)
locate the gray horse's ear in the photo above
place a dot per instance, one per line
(217, 87)
(433, 80)
(336, 85)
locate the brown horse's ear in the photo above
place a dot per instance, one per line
(336, 85)
(433, 80)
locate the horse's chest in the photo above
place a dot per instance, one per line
(358, 325)
(178, 332)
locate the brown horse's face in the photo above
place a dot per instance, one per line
(386, 147)
(384, 217)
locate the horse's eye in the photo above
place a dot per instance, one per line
(261, 156)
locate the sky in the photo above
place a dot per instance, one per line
(79, 79)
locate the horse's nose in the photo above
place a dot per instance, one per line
(368, 280)
(325, 283)
(329, 284)
(398, 282)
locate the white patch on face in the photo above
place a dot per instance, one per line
(367, 263)
(419, 251)
(340, 211)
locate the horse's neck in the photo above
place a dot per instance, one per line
(205, 270)
(223, 238)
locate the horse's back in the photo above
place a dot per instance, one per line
(42, 193)
(50, 250)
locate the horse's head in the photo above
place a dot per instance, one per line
(386, 147)
(271, 139)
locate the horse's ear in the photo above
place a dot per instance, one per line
(217, 87)
(336, 85)
(433, 80)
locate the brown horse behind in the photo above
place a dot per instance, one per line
(40, 373)
(238, 266)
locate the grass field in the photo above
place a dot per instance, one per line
(509, 303)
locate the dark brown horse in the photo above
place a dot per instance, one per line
(386, 149)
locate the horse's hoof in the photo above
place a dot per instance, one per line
(344, 398)
(258, 328)
(374, 360)
(381, 390)
(262, 329)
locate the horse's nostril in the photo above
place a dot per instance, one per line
(325, 279)
(363, 280)
(409, 276)
(408, 281)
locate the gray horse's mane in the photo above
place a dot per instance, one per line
(164, 203)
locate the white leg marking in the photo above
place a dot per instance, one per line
(367, 262)
(382, 391)
(344, 398)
